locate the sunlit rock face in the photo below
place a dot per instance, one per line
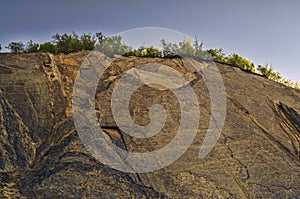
(42, 156)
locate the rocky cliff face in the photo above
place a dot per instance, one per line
(41, 155)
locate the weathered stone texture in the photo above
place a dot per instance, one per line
(41, 155)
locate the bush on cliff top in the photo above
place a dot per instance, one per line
(68, 43)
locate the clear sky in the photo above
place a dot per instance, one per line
(263, 31)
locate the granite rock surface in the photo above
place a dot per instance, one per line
(42, 156)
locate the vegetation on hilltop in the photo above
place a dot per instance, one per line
(68, 43)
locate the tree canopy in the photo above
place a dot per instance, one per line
(16, 47)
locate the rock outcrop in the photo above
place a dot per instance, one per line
(41, 155)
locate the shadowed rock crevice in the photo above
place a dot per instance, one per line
(290, 122)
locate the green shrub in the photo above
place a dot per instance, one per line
(75, 45)
(112, 45)
(151, 52)
(269, 73)
(184, 48)
(67, 43)
(233, 59)
(243, 63)
(48, 47)
(145, 52)
(88, 41)
(218, 55)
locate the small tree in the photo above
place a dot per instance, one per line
(167, 48)
(32, 47)
(100, 36)
(269, 73)
(16, 47)
(67, 43)
(112, 45)
(0, 47)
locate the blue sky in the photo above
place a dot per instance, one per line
(263, 31)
